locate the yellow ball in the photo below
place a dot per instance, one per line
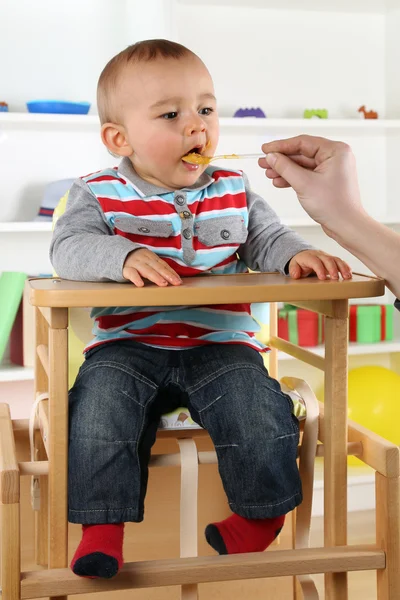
(374, 401)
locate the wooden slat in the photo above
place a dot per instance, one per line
(324, 307)
(55, 319)
(57, 443)
(273, 333)
(157, 573)
(43, 419)
(42, 373)
(41, 466)
(215, 289)
(335, 432)
(388, 535)
(10, 552)
(173, 460)
(41, 383)
(183, 432)
(378, 453)
(43, 354)
(20, 426)
(300, 353)
(9, 471)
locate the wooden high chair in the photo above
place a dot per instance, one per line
(338, 438)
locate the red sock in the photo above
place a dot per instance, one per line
(237, 535)
(99, 553)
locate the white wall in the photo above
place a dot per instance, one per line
(286, 61)
(264, 57)
(282, 60)
(57, 49)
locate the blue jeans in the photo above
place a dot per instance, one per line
(115, 407)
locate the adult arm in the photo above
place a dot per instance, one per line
(323, 174)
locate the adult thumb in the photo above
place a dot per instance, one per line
(293, 173)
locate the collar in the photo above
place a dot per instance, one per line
(144, 188)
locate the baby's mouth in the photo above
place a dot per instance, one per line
(195, 156)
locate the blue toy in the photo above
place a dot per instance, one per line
(58, 107)
(250, 112)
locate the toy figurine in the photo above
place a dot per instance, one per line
(250, 112)
(320, 113)
(368, 114)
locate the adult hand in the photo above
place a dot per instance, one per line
(321, 172)
(145, 263)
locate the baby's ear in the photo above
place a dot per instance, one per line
(114, 138)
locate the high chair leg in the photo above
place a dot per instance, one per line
(388, 535)
(188, 515)
(335, 461)
(42, 514)
(308, 450)
(58, 442)
(10, 510)
(41, 384)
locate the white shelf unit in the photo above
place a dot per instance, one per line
(355, 349)
(282, 55)
(351, 6)
(26, 227)
(40, 120)
(14, 373)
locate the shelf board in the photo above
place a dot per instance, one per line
(26, 119)
(10, 372)
(354, 349)
(348, 6)
(92, 121)
(26, 227)
(357, 124)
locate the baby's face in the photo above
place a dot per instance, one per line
(168, 108)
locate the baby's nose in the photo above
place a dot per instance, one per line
(194, 125)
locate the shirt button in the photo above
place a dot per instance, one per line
(225, 234)
(185, 214)
(180, 200)
(144, 229)
(187, 234)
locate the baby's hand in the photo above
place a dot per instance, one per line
(144, 263)
(318, 262)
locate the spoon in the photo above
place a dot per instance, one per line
(198, 159)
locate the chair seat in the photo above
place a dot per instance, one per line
(180, 418)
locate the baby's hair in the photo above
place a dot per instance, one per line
(145, 51)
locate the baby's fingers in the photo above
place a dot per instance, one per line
(146, 270)
(314, 263)
(344, 268)
(330, 265)
(132, 275)
(166, 271)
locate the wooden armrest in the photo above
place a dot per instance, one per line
(378, 453)
(9, 471)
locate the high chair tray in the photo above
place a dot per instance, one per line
(207, 289)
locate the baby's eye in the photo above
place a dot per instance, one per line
(170, 115)
(206, 111)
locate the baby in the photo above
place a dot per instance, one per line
(158, 218)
